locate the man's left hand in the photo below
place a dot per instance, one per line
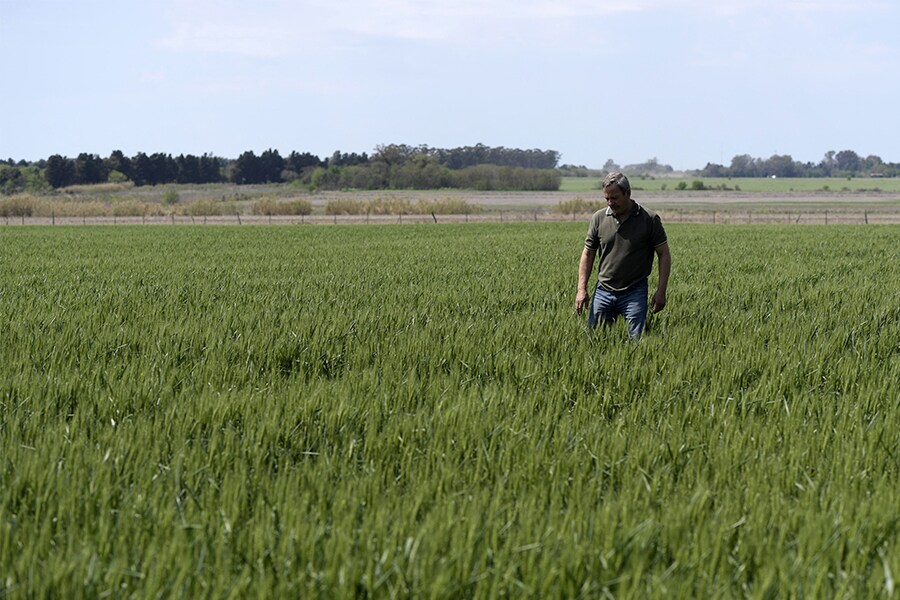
(658, 301)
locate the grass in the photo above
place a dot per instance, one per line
(411, 411)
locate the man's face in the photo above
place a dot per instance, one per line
(617, 200)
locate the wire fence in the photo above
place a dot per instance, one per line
(881, 215)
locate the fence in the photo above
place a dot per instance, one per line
(882, 215)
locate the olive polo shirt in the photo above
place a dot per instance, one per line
(626, 249)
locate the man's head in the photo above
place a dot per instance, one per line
(617, 192)
(616, 178)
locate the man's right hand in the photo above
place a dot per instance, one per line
(580, 300)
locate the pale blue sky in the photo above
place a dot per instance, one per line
(685, 81)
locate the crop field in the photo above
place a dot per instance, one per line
(410, 411)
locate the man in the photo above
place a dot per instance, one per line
(627, 236)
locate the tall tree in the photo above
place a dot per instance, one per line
(117, 161)
(297, 162)
(828, 163)
(210, 169)
(247, 169)
(60, 171)
(142, 169)
(271, 165)
(847, 161)
(89, 169)
(188, 169)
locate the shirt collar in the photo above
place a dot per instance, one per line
(635, 209)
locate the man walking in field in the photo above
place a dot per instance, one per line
(627, 236)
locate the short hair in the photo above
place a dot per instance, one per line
(619, 179)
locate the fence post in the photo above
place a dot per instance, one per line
(866, 216)
(826, 217)
(53, 217)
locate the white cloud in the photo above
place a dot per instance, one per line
(273, 28)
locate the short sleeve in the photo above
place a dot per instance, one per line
(592, 239)
(657, 232)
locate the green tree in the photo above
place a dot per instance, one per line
(271, 164)
(610, 165)
(89, 169)
(188, 169)
(12, 180)
(828, 163)
(210, 169)
(247, 169)
(60, 171)
(117, 161)
(847, 161)
(782, 166)
(744, 165)
(142, 169)
(873, 164)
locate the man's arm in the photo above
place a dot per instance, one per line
(584, 274)
(658, 301)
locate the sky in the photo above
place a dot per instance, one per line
(687, 82)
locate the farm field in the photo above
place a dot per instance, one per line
(767, 185)
(416, 411)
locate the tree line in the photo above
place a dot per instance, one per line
(393, 166)
(396, 166)
(845, 163)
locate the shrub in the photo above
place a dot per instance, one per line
(117, 177)
(170, 196)
(18, 206)
(579, 206)
(130, 208)
(270, 206)
(345, 206)
(389, 206)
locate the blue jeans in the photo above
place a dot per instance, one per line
(632, 304)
